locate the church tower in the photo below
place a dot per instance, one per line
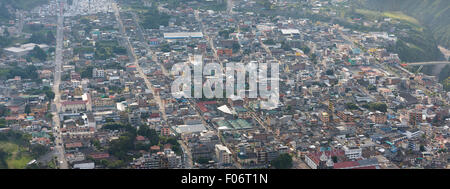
(323, 161)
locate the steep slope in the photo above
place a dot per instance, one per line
(7, 7)
(434, 14)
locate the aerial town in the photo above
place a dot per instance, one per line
(87, 84)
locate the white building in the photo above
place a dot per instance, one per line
(84, 166)
(24, 49)
(413, 133)
(98, 73)
(223, 154)
(353, 152)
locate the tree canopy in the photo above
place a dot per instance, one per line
(283, 161)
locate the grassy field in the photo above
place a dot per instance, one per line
(18, 157)
(401, 16)
(393, 15)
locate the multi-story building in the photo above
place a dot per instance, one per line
(379, 117)
(98, 73)
(223, 154)
(352, 152)
(324, 117)
(415, 117)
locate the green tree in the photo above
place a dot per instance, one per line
(27, 109)
(50, 38)
(2, 123)
(446, 84)
(4, 111)
(39, 53)
(283, 161)
(3, 157)
(38, 150)
(151, 134)
(285, 46)
(87, 72)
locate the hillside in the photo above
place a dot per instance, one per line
(6, 6)
(24, 4)
(433, 14)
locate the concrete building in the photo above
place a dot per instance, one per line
(24, 49)
(223, 154)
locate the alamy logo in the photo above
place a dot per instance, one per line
(237, 80)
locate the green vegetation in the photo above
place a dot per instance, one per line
(371, 87)
(4, 111)
(445, 73)
(25, 4)
(124, 147)
(151, 134)
(213, 5)
(29, 72)
(86, 72)
(415, 42)
(269, 42)
(417, 46)
(202, 160)
(82, 50)
(265, 3)
(433, 14)
(16, 152)
(107, 49)
(285, 46)
(226, 33)
(152, 19)
(283, 161)
(351, 106)
(38, 53)
(114, 65)
(49, 94)
(165, 48)
(42, 37)
(446, 84)
(5, 15)
(376, 106)
(236, 47)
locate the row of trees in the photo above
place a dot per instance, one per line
(49, 94)
(153, 19)
(107, 49)
(38, 53)
(376, 106)
(127, 143)
(42, 37)
(283, 161)
(27, 72)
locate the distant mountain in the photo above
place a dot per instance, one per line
(4, 12)
(7, 7)
(433, 14)
(24, 4)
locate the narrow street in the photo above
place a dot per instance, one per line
(59, 147)
(136, 62)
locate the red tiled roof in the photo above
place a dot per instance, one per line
(346, 164)
(155, 147)
(315, 156)
(74, 145)
(154, 115)
(140, 138)
(202, 107)
(366, 167)
(65, 103)
(99, 155)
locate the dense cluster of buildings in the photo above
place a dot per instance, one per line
(345, 103)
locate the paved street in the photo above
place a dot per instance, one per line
(57, 101)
